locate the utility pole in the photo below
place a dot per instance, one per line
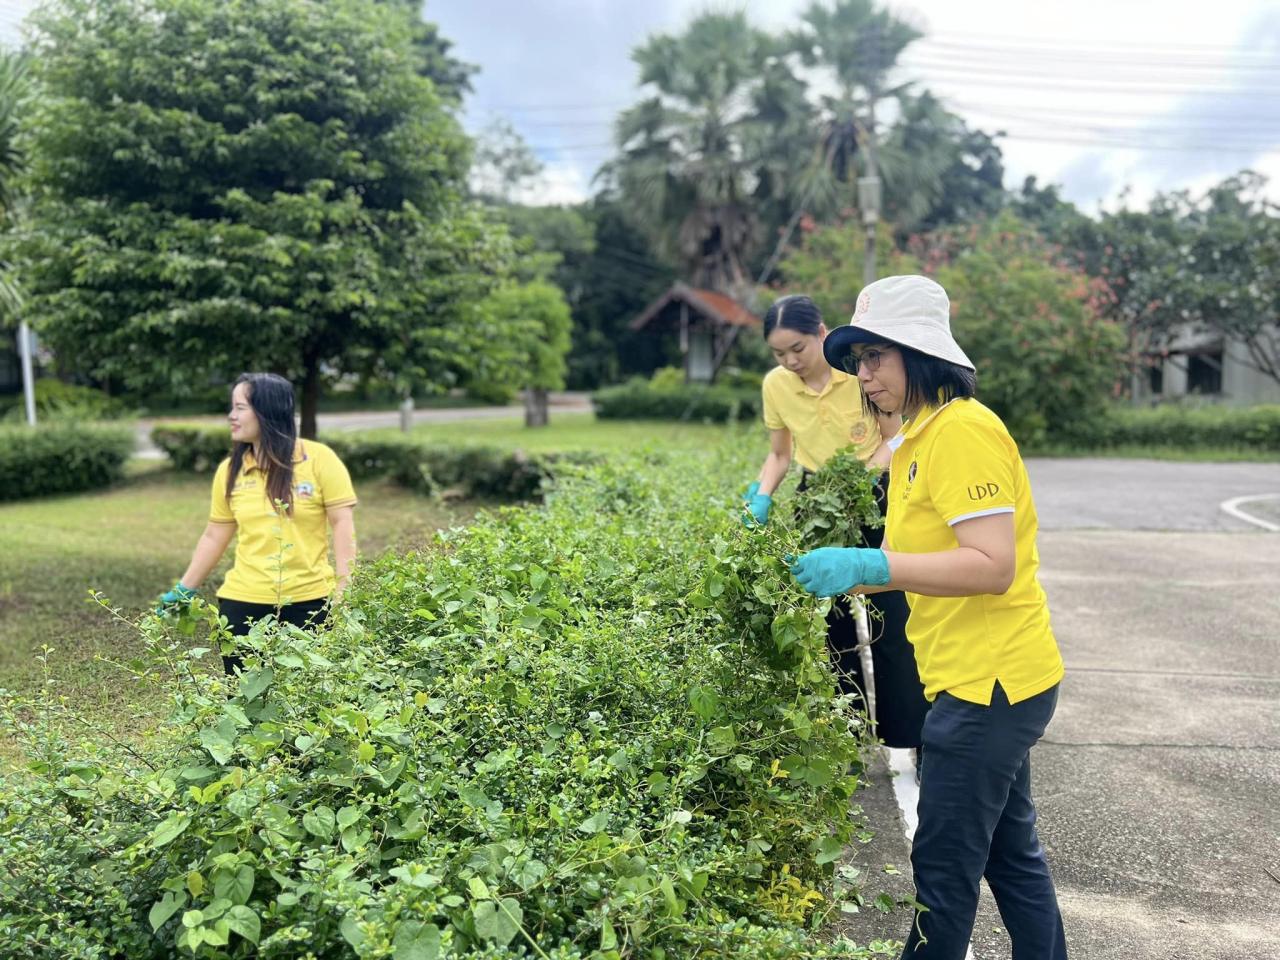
(28, 376)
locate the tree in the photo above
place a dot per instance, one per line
(687, 164)
(856, 46)
(451, 77)
(15, 95)
(535, 318)
(1048, 357)
(607, 288)
(504, 163)
(232, 184)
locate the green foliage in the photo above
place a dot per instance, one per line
(641, 400)
(1179, 427)
(607, 289)
(1048, 359)
(249, 185)
(455, 469)
(534, 318)
(61, 457)
(568, 733)
(838, 502)
(67, 401)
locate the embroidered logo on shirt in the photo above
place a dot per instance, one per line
(981, 491)
(858, 432)
(305, 489)
(911, 478)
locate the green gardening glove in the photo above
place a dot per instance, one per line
(830, 571)
(757, 512)
(175, 599)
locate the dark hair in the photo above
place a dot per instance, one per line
(796, 312)
(929, 379)
(271, 397)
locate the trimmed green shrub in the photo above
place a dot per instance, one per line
(61, 457)
(640, 400)
(605, 728)
(480, 472)
(1181, 427)
(56, 400)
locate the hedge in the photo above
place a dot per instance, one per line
(480, 472)
(640, 400)
(61, 457)
(1178, 427)
(603, 728)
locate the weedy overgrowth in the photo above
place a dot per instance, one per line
(601, 728)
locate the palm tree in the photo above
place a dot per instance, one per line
(14, 92)
(856, 47)
(689, 161)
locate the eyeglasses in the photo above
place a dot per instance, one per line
(870, 359)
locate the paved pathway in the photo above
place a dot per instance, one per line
(1157, 780)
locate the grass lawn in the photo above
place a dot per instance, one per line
(131, 543)
(582, 431)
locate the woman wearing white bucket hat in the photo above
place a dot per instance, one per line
(960, 539)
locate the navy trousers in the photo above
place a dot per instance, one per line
(977, 820)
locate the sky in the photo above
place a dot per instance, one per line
(1113, 100)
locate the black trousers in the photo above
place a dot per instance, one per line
(900, 703)
(242, 616)
(977, 819)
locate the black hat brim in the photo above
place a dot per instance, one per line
(838, 343)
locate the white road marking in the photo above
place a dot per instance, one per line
(1232, 508)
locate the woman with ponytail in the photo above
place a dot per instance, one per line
(279, 496)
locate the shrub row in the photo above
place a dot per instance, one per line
(61, 457)
(604, 728)
(483, 472)
(65, 401)
(641, 400)
(1178, 427)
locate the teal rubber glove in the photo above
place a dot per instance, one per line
(179, 596)
(752, 490)
(830, 571)
(757, 512)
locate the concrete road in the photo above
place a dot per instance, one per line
(1157, 782)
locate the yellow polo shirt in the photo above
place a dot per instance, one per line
(820, 423)
(282, 560)
(954, 463)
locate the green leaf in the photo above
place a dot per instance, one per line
(166, 907)
(242, 920)
(498, 922)
(415, 940)
(478, 888)
(170, 829)
(351, 932)
(595, 823)
(704, 701)
(829, 850)
(218, 743)
(347, 816)
(721, 740)
(253, 683)
(320, 822)
(236, 885)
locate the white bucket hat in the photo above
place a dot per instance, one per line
(910, 311)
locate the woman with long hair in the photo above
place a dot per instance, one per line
(279, 496)
(813, 411)
(960, 539)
